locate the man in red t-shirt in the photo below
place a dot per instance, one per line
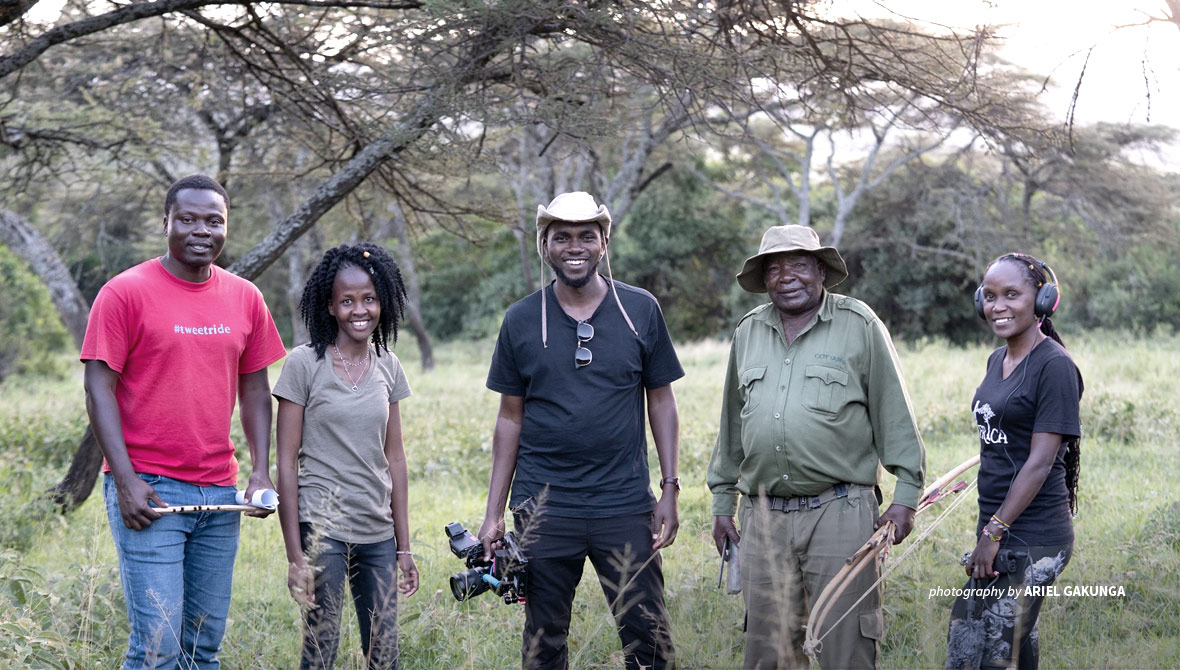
(170, 343)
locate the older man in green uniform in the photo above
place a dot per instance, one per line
(813, 404)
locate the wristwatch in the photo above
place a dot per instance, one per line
(675, 481)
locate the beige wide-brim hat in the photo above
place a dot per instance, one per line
(573, 207)
(778, 239)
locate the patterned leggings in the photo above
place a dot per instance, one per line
(999, 628)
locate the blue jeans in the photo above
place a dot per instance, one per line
(177, 575)
(371, 572)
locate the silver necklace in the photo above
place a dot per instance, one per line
(347, 365)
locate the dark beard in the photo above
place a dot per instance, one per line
(575, 283)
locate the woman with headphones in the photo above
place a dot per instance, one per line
(1026, 409)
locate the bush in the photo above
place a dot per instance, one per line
(1138, 292)
(467, 284)
(685, 245)
(30, 331)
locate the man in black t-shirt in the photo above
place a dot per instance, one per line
(574, 364)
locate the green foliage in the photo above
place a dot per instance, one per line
(468, 283)
(905, 254)
(1139, 291)
(685, 245)
(30, 332)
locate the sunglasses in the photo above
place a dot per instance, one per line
(583, 356)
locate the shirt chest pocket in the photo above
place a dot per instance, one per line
(825, 389)
(750, 386)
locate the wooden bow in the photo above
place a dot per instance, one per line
(873, 550)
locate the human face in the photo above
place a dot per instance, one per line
(795, 282)
(1008, 300)
(355, 305)
(574, 250)
(196, 228)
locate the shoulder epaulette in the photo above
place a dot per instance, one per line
(847, 304)
(757, 310)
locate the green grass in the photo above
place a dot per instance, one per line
(61, 604)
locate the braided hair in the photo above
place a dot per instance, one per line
(317, 294)
(1033, 270)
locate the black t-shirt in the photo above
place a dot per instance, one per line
(1040, 396)
(583, 432)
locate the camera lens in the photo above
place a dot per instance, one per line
(469, 583)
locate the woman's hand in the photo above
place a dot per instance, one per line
(301, 583)
(408, 583)
(980, 565)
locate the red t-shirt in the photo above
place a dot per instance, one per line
(178, 348)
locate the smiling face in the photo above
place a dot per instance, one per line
(355, 304)
(1009, 295)
(574, 250)
(196, 226)
(795, 281)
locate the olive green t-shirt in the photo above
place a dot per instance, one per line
(344, 482)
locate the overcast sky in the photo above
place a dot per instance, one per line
(1133, 73)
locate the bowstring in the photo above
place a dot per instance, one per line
(913, 545)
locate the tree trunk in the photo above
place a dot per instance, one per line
(405, 260)
(76, 486)
(523, 186)
(31, 246)
(296, 278)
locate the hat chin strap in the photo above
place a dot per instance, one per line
(544, 312)
(615, 291)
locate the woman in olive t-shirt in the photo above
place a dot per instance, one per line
(342, 475)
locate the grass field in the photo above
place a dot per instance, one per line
(61, 604)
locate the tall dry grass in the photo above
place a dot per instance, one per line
(61, 605)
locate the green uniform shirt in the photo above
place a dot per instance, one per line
(797, 419)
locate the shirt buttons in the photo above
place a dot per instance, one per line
(787, 362)
(778, 447)
(776, 415)
(786, 476)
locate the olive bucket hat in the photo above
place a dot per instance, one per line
(779, 239)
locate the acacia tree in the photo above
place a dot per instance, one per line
(412, 90)
(788, 136)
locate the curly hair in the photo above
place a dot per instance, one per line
(317, 294)
(1033, 270)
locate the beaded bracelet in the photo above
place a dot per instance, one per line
(1001, 524)
(404, 553)
(992, 536)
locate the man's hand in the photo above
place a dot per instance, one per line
(665, 522)
(134, 494)
(491, 532)
(259, 480)
(723, 527)
(902, 517)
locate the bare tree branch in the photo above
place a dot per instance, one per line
(141, 10)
